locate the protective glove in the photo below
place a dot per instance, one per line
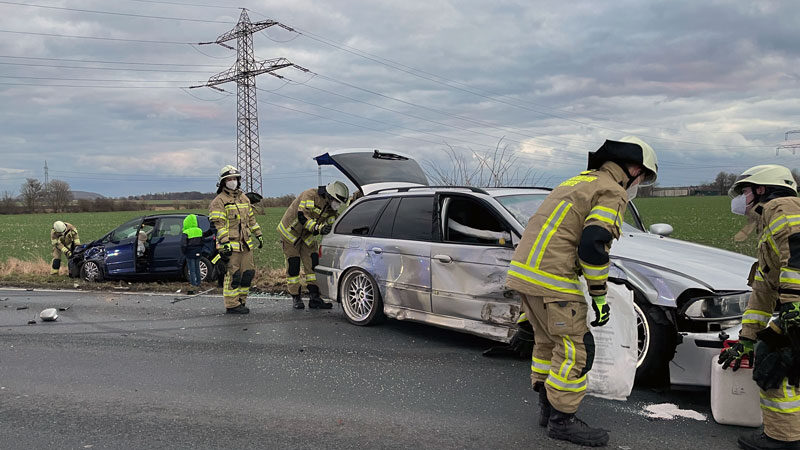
(226, 250)
(325, 229)
(602, 312)
(260, 241)
(736, 352)
(769, 369)
(68, 253)
(790, 315)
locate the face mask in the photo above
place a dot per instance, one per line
(739, 205)
(231, 184)
(335, 204)
(632, 191)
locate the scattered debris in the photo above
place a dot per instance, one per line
(29, 289)
(4, 300)
(63, 308)
(19, 308)
(48, 315)
(670, 411)
(32, 322)
(122, 288)
(244, 329)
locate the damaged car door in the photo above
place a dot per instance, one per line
(469, 264)
(120, 251)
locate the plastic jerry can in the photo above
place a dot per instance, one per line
(735, 398)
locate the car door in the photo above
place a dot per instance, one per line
(400, 248)
(469, 264)
(165, 245)
(120, 249)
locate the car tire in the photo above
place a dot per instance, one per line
(91, 272)
(657, 339)
(361, 299)
(206, 270)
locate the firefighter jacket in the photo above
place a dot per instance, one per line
(569, 235)
(67, 240)
(232, 215)
(776, 275)
(309, 212)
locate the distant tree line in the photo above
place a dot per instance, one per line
(57, 196)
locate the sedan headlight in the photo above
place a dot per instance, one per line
(716, 307)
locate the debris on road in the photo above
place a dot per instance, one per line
(670, 411)
(64, 308)
(48, 315)
(19, 308)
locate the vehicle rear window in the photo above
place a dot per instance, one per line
(361, 217)
(414, 219)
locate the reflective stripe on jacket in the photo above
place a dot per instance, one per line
(546, 261)
(234, 219)
(776, 276)
(67, 240)
(317, 211)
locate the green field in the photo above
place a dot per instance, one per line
(706, 220)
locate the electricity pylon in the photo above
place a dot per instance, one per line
(792, 145)
(248, 154)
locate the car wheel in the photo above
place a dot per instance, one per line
(656, 343)
(206, 270)
(91, 271)
(361, 299)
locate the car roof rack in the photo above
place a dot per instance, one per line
(408, 188)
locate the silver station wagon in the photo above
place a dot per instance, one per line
(439, 255)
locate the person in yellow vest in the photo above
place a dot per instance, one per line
(64, 237)
(309, 216)
(569, 235)
(770, 193)
(232, 215)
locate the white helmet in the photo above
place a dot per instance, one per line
(228, 171)
(622, 151)
(338, 191)
(59, 226)
(765, 175)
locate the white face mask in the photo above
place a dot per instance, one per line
(739, 205)
(632, 191)
(231, 184)
(335, 204)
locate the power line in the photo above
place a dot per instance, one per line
(111, 13)
(87, 86)
(94, 79)
(144, 41)
(128, 69)
(102, 61)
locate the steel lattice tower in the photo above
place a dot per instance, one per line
(248, 153)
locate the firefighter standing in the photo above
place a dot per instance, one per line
(235, 221)
(570, 234)
(64, 237)
(769, 191)
(309, 216)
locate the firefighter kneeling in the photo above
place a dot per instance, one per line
(235, 221)
(570, 234)
(64, 237)
(310, 215)
(769, 192)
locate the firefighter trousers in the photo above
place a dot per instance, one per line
(296, 254)
(563, 349)
(56, 264)
(781, 410)
(238, 278)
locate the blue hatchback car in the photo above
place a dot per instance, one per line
(145, 247)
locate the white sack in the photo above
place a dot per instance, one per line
(616, 352)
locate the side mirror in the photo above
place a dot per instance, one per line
(661, 229)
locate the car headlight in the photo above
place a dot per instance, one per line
(716, 307)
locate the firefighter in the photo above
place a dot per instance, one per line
(64, 237)
(770, 192)
(310, 216)
(232, 215)
(569, 235)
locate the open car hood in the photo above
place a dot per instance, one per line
(371, 170)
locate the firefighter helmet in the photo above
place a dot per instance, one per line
(629, 149)
(338, 190)
(228, 172)
(765, 175)
(59, 226)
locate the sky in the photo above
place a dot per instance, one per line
(99, 89)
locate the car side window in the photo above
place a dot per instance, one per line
(384, 226)
(169, 226)
(125, 231)
(414, 219)
(468, 221)
(360, 218)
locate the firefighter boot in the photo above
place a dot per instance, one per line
(544, 404)
(316, 302)
(760, 441)
(238, 309)
(567, 427)
(297, 302)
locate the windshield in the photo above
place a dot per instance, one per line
(523, 206)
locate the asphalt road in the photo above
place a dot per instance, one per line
(122, 370)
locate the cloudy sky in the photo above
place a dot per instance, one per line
(98, 88)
